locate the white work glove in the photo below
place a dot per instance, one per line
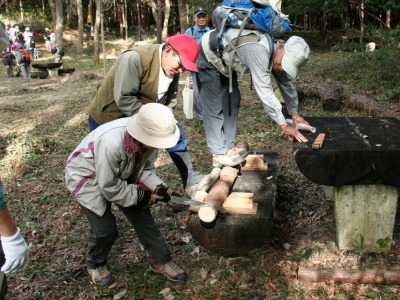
(148, 181)
(15, 251)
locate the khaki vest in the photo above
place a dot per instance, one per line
(103, 108)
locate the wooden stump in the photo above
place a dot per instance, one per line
(239, 233)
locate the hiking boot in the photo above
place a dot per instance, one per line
(230, 159)
(170, 270)
(205, 184)
(101, 276)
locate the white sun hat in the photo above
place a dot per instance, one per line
(297, 52)
(155, 126)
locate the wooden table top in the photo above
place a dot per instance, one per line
(355, 150)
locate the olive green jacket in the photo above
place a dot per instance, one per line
(131, 82)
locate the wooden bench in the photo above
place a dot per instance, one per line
(49, 68)
(360, 163)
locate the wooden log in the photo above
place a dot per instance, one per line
(329, 94)
(352, 276)
(368, 105)
(218, 194)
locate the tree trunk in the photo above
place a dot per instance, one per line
(362, 21)
(59, 23)
(167, 12)
(353, 276)
(79, 48)
(103, 43)
(139, 18)
(21, 10)
(52, 6)
(218, 194)
(159, 11)
(388, 15)
(126, 20)
(182, 15)
(96, 32)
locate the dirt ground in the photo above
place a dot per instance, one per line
(41, 123)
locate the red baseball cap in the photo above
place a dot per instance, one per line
(188, 50)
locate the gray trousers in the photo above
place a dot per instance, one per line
(196, 99)
(25, 72)
(220, 108)
(103, 232)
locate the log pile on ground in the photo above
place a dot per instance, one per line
(218, 194)
(333, 97)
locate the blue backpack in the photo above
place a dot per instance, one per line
(246, 14)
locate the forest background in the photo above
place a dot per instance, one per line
(43, 121)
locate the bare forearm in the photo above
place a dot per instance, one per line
(7, 223)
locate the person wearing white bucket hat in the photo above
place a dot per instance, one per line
(148, 74)
(108, 167)
(262, 56)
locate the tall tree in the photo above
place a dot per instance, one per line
(79, 48)
(52, 5)
(159, 19)
(59, 22)
(361, 8)
(182, 15)
(96, 51)
(167, 11)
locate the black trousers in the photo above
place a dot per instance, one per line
(103, 232)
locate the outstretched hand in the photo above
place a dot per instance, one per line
(292, 133)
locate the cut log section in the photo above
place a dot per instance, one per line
(218, 194)
(236, 203)
(235, 233)
(254, 162)
(352, 276)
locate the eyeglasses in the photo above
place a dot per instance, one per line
(178, 59)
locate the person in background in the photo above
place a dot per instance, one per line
(12, 32)
(109, 167)
(23, 62)
(27, 37)
(58, 54)
(264, 59)
(146, 74)
(197, 30)
(52, 38)
(9, 62)
(46, 37)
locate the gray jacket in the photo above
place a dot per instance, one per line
(98, 169)
(263, 86)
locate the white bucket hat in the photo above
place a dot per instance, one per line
(297, 52)
(155, 126)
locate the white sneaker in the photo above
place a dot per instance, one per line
(227, 160)
(238, 151)
(205, 184)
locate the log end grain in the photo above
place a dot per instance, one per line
(207, 214)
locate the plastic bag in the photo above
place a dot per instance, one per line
(187, 95)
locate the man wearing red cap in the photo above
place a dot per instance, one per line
(146, 74)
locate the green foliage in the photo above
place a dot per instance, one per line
(383, 244)
(359, 245)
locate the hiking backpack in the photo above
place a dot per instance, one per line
(26, 56)
(246, 14)
(60, 51)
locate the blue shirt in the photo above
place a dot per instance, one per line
(2, 197)
(197, 33)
